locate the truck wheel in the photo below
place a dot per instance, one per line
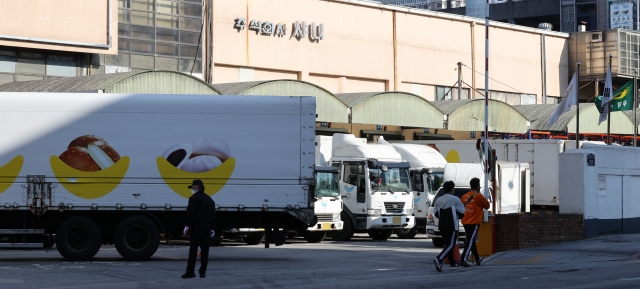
(315, 237)
(380, 235)
(437, 242)
(78, 239)
(347, 229)
(254, 239)
(136, 238)
(406, 233)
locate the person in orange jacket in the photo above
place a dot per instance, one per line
(474, 203)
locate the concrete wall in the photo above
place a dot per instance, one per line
(83, 21)
(606, 193)
(368, 47)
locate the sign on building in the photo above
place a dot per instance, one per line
(623, 14)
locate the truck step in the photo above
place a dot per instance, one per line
(21, 231)
(20, 245)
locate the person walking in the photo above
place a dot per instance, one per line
(448, 209)
(475, 204)
(200, 217)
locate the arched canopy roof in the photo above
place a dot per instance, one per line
(468, 115)
(392, 108)
(152, 82)
(589, 115)
(328, 107)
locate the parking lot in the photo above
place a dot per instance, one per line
(359, 263)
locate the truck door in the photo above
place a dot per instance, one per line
(353, 187)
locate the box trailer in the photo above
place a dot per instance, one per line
(97, 169)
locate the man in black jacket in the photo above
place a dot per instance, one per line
(200, 217)
(448, 209)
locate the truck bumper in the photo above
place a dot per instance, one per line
(326, 226)
(391, 222)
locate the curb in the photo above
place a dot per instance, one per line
(494, 256)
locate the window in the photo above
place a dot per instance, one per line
(159, 34)
(449, 93)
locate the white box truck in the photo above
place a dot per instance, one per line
(541, 155)
(427, 175)
(374, 186)
(97, 169)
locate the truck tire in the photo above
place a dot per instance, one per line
(347, 229)
(254, 239)
(437, 242)
(406, 233)
(78, 239)
(380, 235)
(136, 238)
(315, 237)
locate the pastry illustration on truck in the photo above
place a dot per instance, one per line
(90, 168)
(207, 159)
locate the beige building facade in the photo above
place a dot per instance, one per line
(369, 47)
(344, 46)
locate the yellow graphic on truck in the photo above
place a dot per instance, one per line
(9, 172)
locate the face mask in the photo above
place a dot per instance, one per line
(193, 191)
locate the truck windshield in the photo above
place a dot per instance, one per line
(394, 179)
(434, 182)
(327, 184)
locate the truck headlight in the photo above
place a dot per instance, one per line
(374, 212)
(408, 211)
(335, 217)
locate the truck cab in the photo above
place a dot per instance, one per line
(328, 204)
(375, 187)
(427, 176)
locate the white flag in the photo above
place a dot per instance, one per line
(569, 98)
(606, 97)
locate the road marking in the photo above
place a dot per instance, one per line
(11, 281)
(532, 260)
(388, 269)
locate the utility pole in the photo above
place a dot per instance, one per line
(459, 79)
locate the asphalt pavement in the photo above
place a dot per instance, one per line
(604, 262)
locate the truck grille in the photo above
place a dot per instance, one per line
(324, 218)
(394, 207)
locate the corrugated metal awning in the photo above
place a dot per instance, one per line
(328, 107)
(148, 82)
(392, 108)
(468, 115)
(540, 114)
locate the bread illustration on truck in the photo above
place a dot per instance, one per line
(90, 168)
(206, 159)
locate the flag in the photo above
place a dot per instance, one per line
(622, 99)
(569, 98)
(606, 97)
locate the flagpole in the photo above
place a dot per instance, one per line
(486, 106)
(635, 104)
(578, 107)
(609, 111)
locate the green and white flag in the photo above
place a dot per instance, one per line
(622, 99)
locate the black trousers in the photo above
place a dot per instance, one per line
(199, 238)
(450, 239)
(471, 234)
